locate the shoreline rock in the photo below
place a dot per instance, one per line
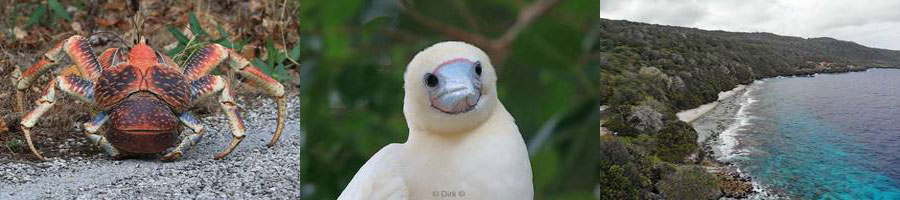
(731, 182)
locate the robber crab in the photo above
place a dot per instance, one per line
(143, 96)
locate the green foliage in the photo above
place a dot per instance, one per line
(14, 145)
(619, 175)
(690, 182)
(276, 63)
(676, 141)
(199, 38)
(47, 13)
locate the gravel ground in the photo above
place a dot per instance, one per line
(252, 171)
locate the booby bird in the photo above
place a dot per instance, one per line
(462, 142)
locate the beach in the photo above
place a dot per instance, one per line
(711, 121)
(692, 114)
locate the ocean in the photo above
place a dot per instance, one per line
(831, 136)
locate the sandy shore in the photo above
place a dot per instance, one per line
(692, 114)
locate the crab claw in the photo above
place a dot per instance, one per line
(282, 109)
(37, 153)
(234, 142)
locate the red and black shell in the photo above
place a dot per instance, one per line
(167, 83)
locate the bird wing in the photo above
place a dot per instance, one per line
(377, 179)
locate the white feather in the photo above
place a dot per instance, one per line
(475, 155)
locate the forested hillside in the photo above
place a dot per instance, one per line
(650, 72)
(711, 61)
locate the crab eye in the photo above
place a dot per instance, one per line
(431, 80)
(135, 41)
(478, 68)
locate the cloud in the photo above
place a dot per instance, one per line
(874, 23)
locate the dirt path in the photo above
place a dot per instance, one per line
(253, 171)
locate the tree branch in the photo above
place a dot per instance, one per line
(526, 16)
(497, 48)
(446, 29)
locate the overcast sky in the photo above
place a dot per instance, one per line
(873, 23)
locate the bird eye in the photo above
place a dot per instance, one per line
(478, 68)
(431, 80)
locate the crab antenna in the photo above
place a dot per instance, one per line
(137, 23)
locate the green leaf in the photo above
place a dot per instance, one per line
(272, 52)
(262, 66)
(176, 50)
(36, 15)
(225, 43)
(58, 9)
(222, 32)
(280, 73)
(195, 25)
(240, 44)
(295, 52)
(182, 39)
(225, 39)
(280, 56)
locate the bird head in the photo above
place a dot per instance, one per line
(450, 87)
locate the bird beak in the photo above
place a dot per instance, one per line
(458, 89)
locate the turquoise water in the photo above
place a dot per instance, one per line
(834, 136)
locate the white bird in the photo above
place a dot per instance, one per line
(462, 143)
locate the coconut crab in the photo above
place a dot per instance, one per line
(144, 95)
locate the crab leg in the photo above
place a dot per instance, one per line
(261, 80)
(78, 50)
(212, 55)
(204, 60)
(188, 141)
(208, 85)
(226, 100)
(73, 85)
(90, 131)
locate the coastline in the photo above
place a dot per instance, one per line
(711, 121)
(716, 123)
(690, 115)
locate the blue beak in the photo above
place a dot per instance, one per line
(455, 86)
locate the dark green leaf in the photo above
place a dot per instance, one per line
(295, 52)
(240, 44)
(58, 9)
(262, 66)
(280, 73)
(280, 56)
(225, 39)
(226, 44)
(36, 15)
(272, 52)
(176, 50)
(182, 39)
(195, 25)
(223, 34)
